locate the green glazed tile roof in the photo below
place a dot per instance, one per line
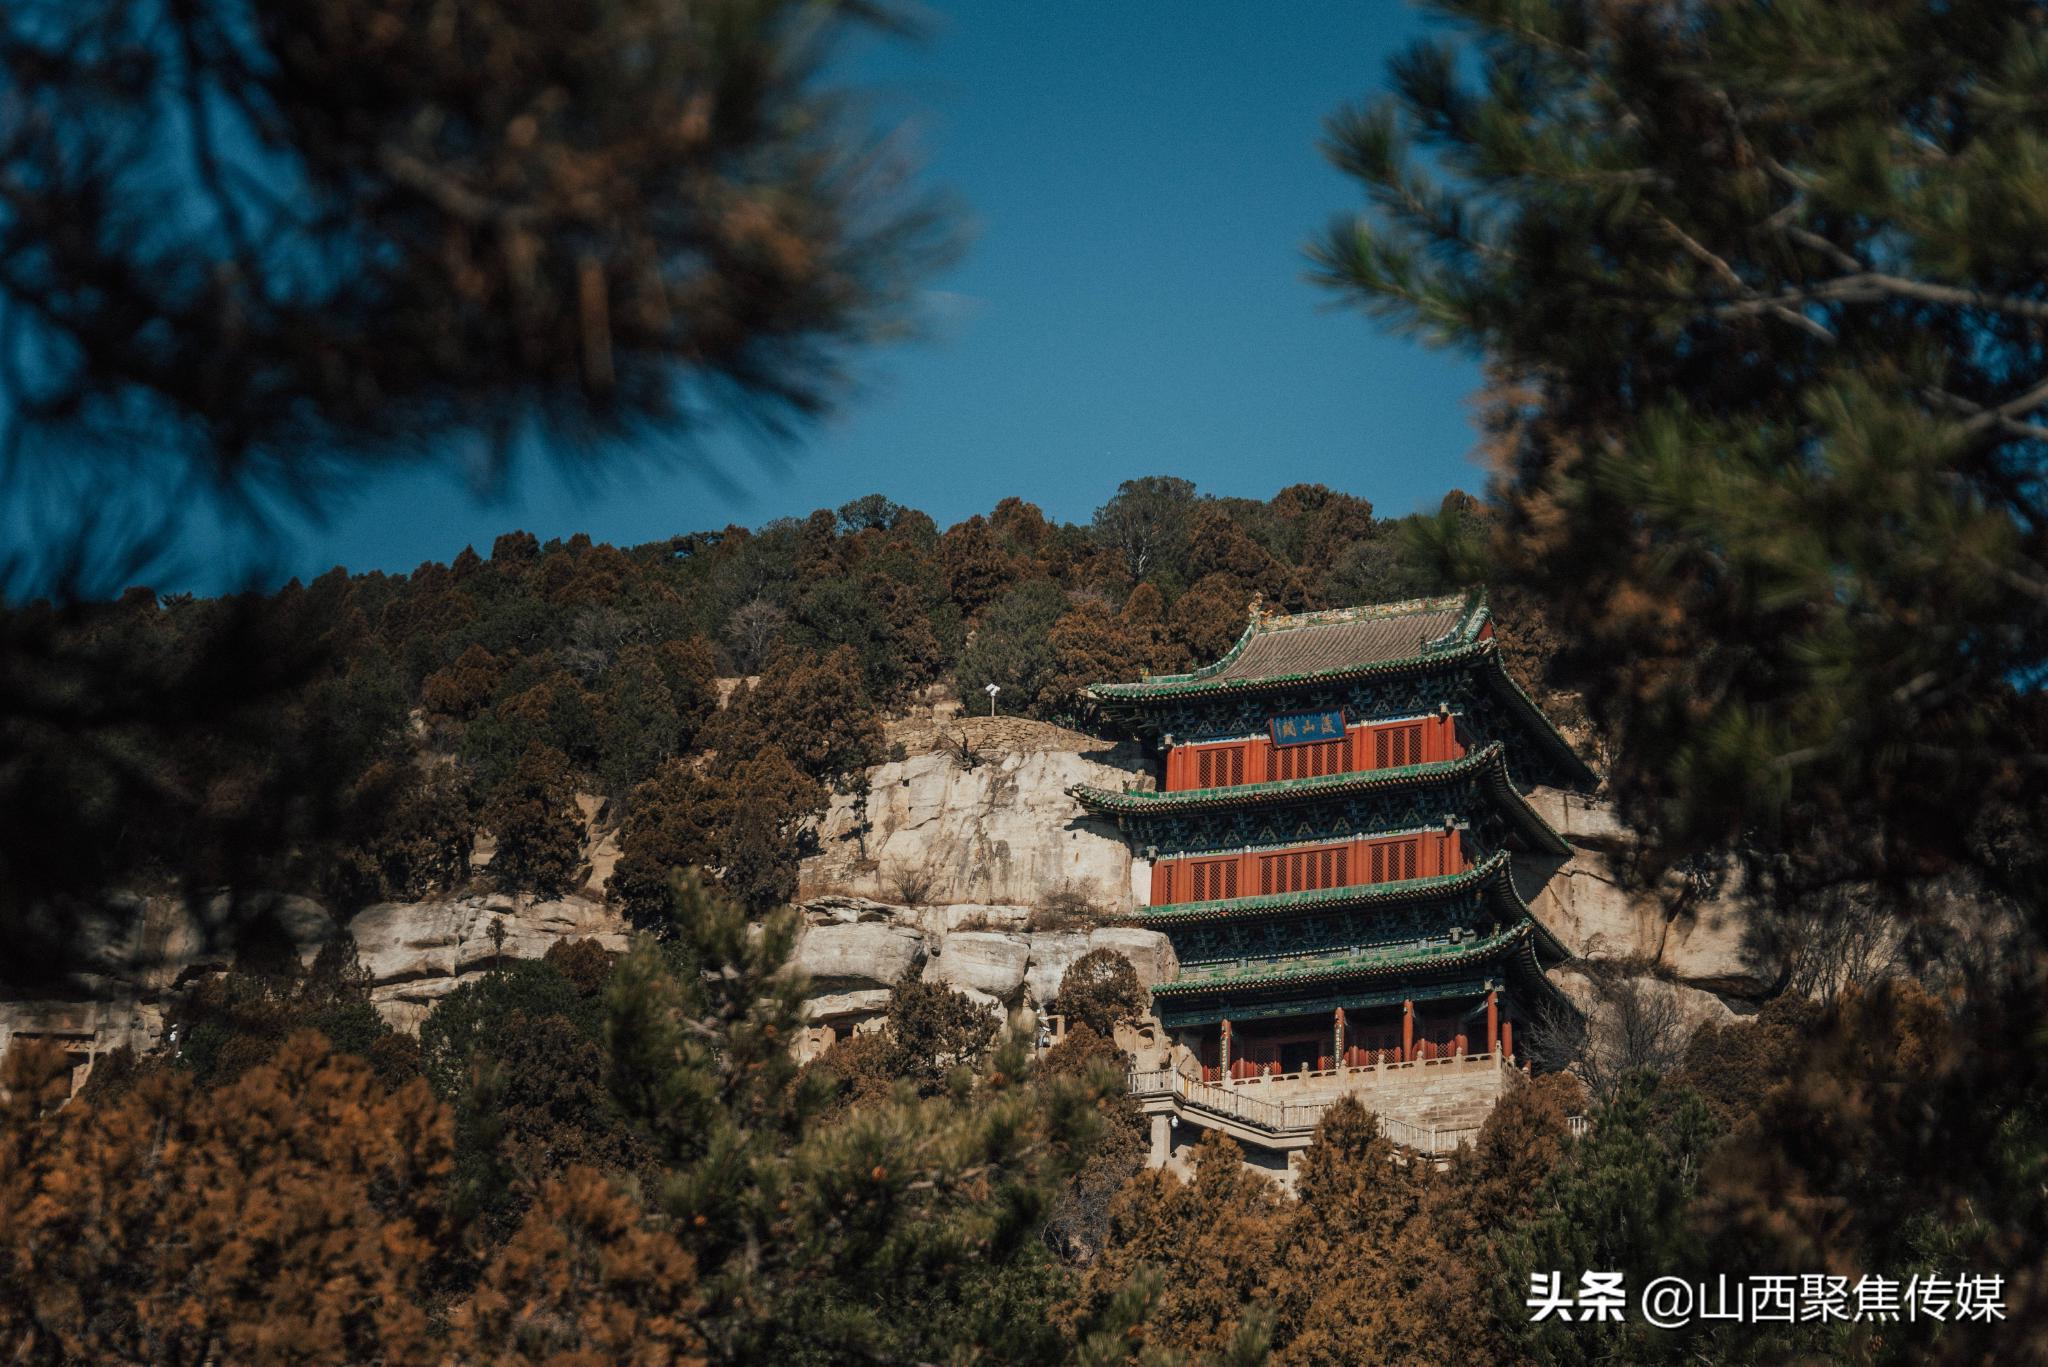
(1491, 762)
(1318, 645)
(1312, 648)
(1364, 964)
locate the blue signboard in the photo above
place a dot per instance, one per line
(1298, 728)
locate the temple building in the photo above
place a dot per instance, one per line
(1340, 853)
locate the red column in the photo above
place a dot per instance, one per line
(1507, 1038)
(1223, 1052)
(1493, 1022)
(1337, 1058)
(1407, 1032)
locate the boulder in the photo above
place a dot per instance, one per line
(932, 829)
(1149, 951)
(1583, 903)
(860, 955)
(981, 961)
(1052, 953)
(846, 1008)
(941, 921)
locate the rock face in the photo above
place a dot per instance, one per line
(418, 952)
(941, 872)
(854, 948)
(1004, 831)
(1695, 942)
(857, 957)
(131, 954)
(1693, 1007)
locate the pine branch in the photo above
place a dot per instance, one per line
(1869, 287)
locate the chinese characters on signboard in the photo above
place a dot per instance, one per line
(1298, 728)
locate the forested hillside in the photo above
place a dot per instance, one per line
(351, 738)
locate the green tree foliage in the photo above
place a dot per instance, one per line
(1100, 990)
(464, 686)
(673, 823)
(228, 1024)
(518, 1054)
(739, 825)
(901, 1231)
(539, 828)
(978, 569)
(1012, 649)
(1147, 524)
(553, 713)
(533, 216)
(1078, 1225)
(409, 835)
(649, 706)
(1758, 294)
(813, 708)
(928, 1031)
(758, 846)
(1757, 289)
(608, 655)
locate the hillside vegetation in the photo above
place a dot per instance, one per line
(354, 736)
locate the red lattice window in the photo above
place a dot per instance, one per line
(1393, 860)
(1394, 746)
(1222, 767)
(1213, 880)
(1305, 870)
(1310, 761)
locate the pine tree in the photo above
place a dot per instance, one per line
(539, 828)
(1760, 292)
(903, 1230)
(1213, 1242)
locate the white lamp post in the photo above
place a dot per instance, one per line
(991, 690)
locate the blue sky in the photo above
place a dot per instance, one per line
(1139, 179)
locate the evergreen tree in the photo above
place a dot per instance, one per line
(1012, 649)
(526, 215)
(1101, 991)
(1761, 296)
(539, 828)
(902, 1231)
(1213, 1240)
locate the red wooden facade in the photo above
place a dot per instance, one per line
(1260, 873)
(1226, 764)
(1278, 1048)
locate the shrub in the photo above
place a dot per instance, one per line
(1101, 991)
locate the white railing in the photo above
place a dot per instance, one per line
(1284, 1118)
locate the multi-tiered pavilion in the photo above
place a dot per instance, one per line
(1339, 853)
